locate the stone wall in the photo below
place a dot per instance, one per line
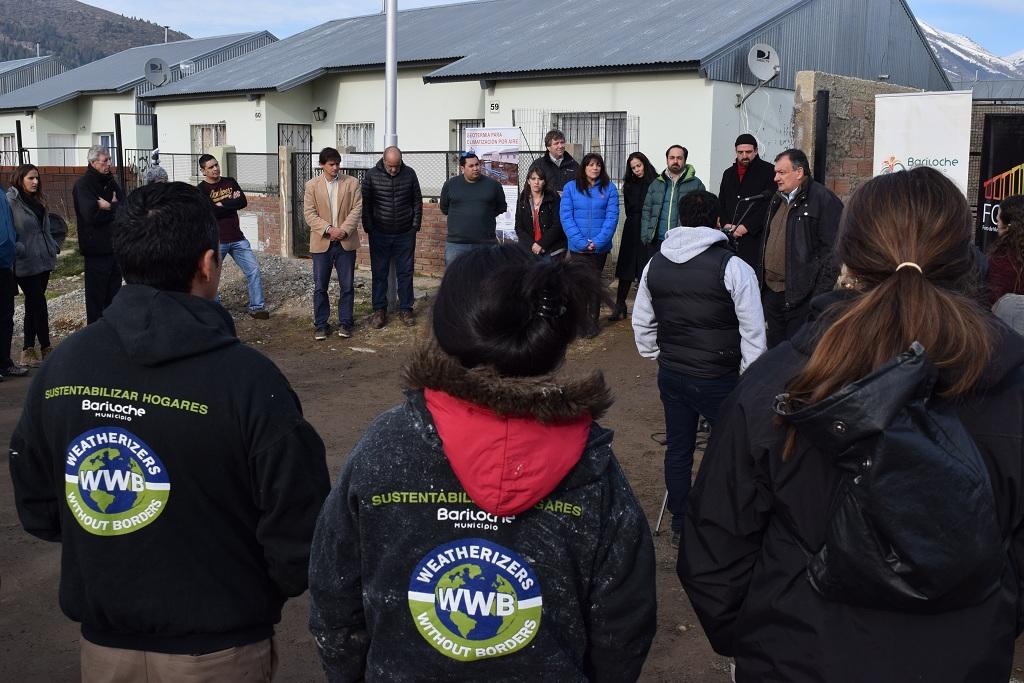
(851, 126)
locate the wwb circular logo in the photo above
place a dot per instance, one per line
(473, 599)
(113, 482)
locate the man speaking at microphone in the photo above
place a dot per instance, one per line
(746, 187)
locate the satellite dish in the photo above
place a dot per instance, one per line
(186, 67)
(763, 61)
(157, 72)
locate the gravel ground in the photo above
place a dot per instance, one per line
(287, 288)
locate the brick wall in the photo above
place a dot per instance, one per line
(267, 209)
(851, 126)
(429, 243)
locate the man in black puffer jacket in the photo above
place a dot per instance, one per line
(392, 213)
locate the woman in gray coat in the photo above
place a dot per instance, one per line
(40, 235)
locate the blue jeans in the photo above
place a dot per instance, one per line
(685, 399)
(383, 248)
(344, 262)
(452, 250)
(246, 260)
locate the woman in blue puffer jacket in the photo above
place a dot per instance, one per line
(590, 214)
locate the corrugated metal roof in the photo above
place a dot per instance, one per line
(115, 73)
(498, 36)
(1005, 90)
(6, 67)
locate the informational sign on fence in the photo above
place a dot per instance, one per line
(1002, 170)
(498, 149)
(924, 129)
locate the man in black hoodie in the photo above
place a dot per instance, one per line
(172, 463)
(96, 195)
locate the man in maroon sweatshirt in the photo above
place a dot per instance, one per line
(228, 198)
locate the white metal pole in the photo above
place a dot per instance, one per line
(391, 76)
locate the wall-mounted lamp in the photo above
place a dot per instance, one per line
(319, 114)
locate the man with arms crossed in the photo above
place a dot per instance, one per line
(228, 198)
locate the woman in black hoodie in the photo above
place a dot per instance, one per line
(773, 492)
(483, 531)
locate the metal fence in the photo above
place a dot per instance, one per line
(52, 156)
(255, 173)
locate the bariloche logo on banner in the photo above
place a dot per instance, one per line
(473, 599)
(891, 165)
(113, 482)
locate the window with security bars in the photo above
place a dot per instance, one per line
(603, 132)
(459, 128)
(206, 136)
(355, 137)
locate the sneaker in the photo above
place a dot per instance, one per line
(14, 371)
(261, 314)
(408, 318)
(345, 331)
(30, 358)
(379, 319)
(675, 539)
(321, 333)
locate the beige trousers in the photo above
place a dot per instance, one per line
(254, 663)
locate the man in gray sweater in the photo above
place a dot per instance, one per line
(471, 201)
(698, 312)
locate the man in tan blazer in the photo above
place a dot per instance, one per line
(332, 207)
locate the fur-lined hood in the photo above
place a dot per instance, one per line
(547, 398)
(510, 440)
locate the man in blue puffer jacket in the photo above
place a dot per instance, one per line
(8, 290)
(590, 214)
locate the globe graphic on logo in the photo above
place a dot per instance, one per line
(110, 482)
(466, 601)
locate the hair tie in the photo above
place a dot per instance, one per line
(549, 305)
(909, 264)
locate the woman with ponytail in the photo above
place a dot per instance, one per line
(763, 508)
(484, 530)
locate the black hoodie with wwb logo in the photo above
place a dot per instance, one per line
(174, 466)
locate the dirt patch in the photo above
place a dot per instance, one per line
(343, 384)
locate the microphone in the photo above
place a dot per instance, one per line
(757, 197)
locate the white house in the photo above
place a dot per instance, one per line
(58, 118)
(614, 76)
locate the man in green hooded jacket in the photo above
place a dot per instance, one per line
(661, 212)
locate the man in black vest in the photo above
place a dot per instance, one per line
(698, 312)
(750, 177)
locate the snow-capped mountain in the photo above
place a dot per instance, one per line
(965, 60)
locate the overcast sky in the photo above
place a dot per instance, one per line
(995, 24)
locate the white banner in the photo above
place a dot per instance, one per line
(924, 129)
(498, 149)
